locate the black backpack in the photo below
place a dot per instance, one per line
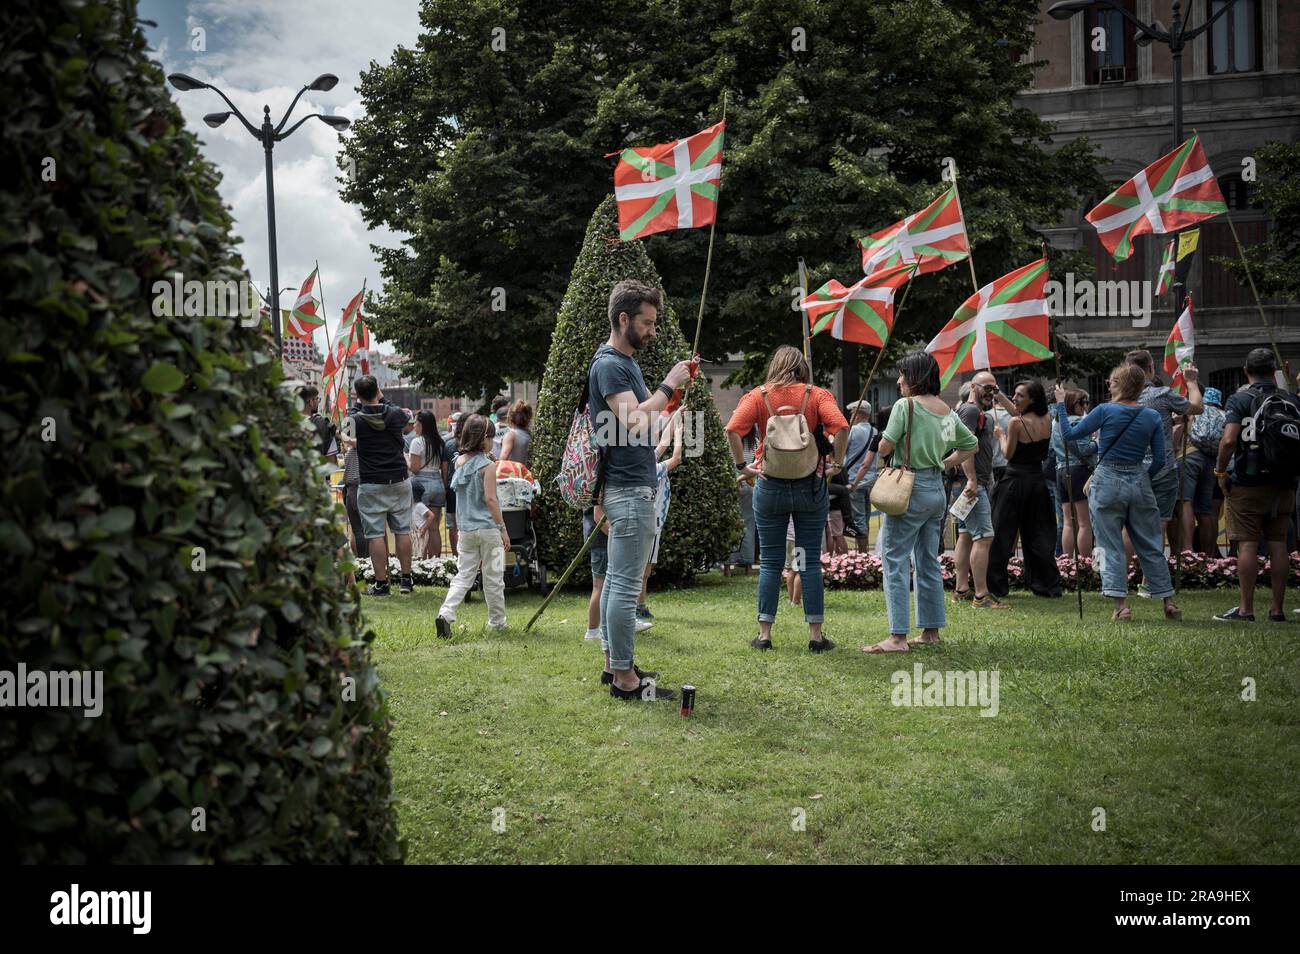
(1272, 434)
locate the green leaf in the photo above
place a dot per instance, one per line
(162, 378)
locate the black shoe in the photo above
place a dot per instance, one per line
(1235, 615)
(407, 585)
(822, 645)
(1277, 617)
(607, 678)
(635, 694)
(444, 628)
(758, 642)
(643, 612)
(379, 589)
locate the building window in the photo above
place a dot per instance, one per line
(1234, 37)
(1116, 60)
(1227, 380)
(1237, 193)
(426, 404)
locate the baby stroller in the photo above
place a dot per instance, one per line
(523, 568)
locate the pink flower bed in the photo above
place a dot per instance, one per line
(862, 571)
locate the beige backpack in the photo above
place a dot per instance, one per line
(789, 450)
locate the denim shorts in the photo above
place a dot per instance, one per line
(1198, 481)
(599, 560)
(979, 522)
(1166, 490)
(380, 503)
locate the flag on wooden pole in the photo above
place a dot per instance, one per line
(670, 186)
(1180, 348)
(1175, 191)
(863, 312)
(1004, 323)
(931, 239)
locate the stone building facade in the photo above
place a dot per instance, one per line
(1241, 89)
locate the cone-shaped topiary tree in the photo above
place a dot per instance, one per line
(704, 516)
(165, 525)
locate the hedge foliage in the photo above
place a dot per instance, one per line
(704, 516)
(163, 516)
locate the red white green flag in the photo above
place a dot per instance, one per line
(1179, 349)
(670, 186)
(1004, 323)
(353, 336)
(863, 312)
(932, 239)
(303, 317)
(1175, 191)
(1165, 277)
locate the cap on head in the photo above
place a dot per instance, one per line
(1214, 396)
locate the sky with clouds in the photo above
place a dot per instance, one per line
(260, 53)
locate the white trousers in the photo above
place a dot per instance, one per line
(474, 550)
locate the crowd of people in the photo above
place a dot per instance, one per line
(1046, 476)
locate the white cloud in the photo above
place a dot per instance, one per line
(261, 53)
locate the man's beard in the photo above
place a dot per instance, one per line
(635, 340)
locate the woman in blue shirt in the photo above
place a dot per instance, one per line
(1120, 497)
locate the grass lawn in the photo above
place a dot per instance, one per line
(1143, 720)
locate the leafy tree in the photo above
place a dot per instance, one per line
(1275, 264)
(839, 117)
(163, 515)
(704, 514)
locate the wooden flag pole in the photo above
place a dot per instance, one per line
(1255, 291)
(803, 314)
(325, 316)
(970, 257)
(708, 261)
(1069, 482)
(564, 577)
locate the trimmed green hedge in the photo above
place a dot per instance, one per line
(163, 518)
(704, 522)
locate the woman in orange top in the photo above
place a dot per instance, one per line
(777, 500)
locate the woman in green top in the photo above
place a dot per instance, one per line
(938, 440)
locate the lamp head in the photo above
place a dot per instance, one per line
(1068, 8)
(184, 82)
(338, 122)
(216, 119)
(324, 82)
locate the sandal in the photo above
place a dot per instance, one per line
(1173, 612)
(961, 596)
(877, 650)
(1122, 616)
(634, 695)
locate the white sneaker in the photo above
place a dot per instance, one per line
(642, 625)
(593, 633)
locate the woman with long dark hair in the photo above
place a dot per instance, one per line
(802, 496)
(926, 436)
(1022, 503)
(429, 474)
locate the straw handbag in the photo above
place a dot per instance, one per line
(892, 491)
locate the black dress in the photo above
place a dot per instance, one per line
(1023, 504)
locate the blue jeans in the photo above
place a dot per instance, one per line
(1120, 497)
(775, 502)
(861, 501)
(631, 515)
(915, 535)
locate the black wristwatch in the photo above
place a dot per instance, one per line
(667, 391)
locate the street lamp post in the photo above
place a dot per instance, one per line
(1176, 37)
(268, 136)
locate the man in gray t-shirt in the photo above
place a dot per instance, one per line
(975, 532)
(623, 413)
